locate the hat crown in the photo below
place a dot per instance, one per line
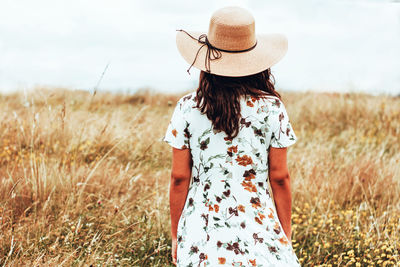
(232, 28)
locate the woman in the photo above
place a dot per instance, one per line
(228, 138)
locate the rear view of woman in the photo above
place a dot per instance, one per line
(229, 137)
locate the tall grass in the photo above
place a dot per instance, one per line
(84, 179)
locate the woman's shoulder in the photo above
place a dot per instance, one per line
(187, 98)
(187, 102)
(268, 100)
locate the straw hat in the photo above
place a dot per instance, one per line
(231, 47)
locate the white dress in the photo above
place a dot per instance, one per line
(229, 218)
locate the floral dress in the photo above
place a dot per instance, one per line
(229, 218)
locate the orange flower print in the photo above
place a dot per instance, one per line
(255, 202)
(227, 138)
(221, 260)
(241, 208)
(277, 228)
(262, 216)
(174, 132)
(271, 215)
(271, 210)
(245, 160)
(253, 262)
(249, 174)
(249, 186)
(249, 103)
(254, 98)
(258, 220)
(210, 208)
(216, 207)
(233, 149)
(283, 240)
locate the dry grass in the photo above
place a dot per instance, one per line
(84, 179)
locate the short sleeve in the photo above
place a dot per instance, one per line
(177, 134)
(282, 131)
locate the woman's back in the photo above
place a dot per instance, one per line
(229, 216)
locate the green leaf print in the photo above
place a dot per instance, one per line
(218, 156)
(208, 140)
(208, 131)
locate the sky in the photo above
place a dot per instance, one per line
(334, 45)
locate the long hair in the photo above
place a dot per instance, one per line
(219, 97)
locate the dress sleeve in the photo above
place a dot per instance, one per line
(177, 134)
(282, 131)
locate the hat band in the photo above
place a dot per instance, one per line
(212, 51)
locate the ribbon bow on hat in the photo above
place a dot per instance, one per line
(212, 51)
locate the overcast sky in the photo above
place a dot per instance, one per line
(334, 45)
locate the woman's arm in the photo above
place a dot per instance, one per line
(180, 178)
(280, 183)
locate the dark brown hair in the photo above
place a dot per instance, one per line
(219, 97)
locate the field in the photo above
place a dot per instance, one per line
(84, 178)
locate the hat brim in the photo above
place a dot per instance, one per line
(269, 50)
